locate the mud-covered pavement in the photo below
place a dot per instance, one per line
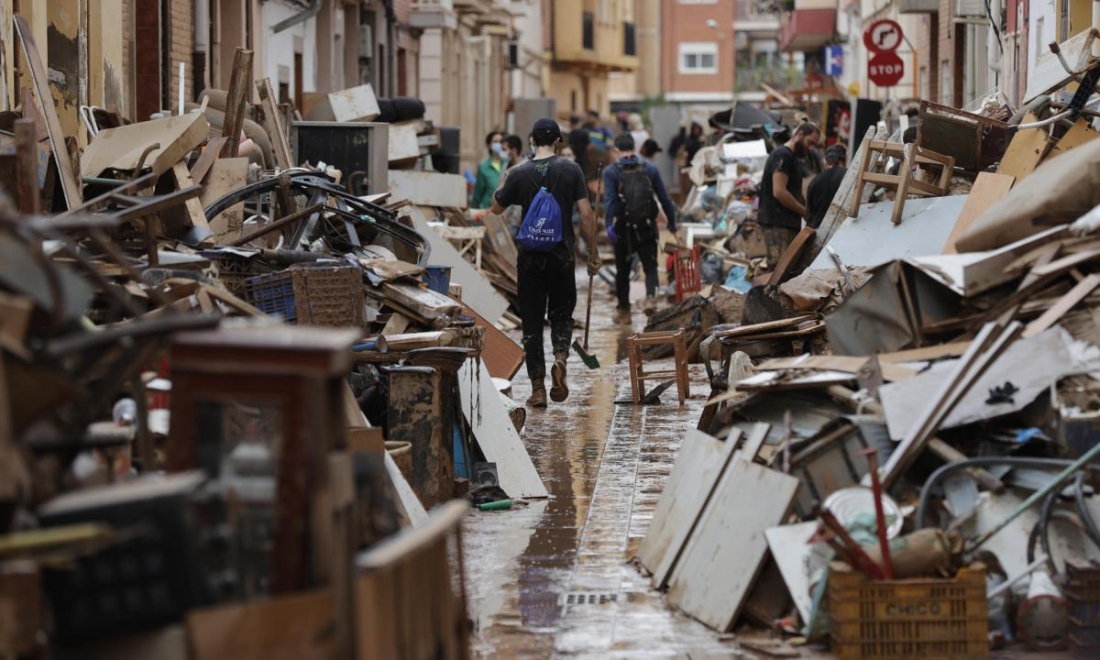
(552, 578)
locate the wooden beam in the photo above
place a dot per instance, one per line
(69, 185)
(236, 100)
(26, 167)
(1064, 304)
(275, 128)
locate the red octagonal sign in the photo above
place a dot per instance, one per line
(885, 69)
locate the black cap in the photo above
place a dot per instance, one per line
(546, 126)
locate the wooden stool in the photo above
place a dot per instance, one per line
(638, 374)
(687, 272)
(903, 182)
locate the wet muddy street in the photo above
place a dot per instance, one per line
(552, 578)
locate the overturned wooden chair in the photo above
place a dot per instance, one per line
(903, 182)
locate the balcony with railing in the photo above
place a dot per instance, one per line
(428, 14)
(749, 16)
(752, 78)
(809, 27)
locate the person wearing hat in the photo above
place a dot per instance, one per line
(547, 283)
(824, 186)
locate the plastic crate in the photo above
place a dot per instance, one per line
(315, 294)
(903, 619)
(1082, 594)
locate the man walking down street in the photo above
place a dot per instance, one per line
(488, 173)
(631, 213)
(824, 186)
(781, 204)
(547, 280)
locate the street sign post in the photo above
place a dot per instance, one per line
(882, 38)
(885, 69)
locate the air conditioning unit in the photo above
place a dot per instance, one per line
(366, 40)
(969, 8)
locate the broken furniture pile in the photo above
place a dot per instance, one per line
(915, 425)
(226, 395)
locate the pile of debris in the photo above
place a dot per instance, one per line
(919, 408)
(231, 388)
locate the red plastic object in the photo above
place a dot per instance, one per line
(687, 272)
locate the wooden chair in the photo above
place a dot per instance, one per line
(410, 592)
(687, 272)
(903, 182)
(638, 375)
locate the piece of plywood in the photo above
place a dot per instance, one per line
(1080, 133)
(849, 364)
(989, 188)
(1025, 151)
(495, 434)
(500, 237)
(429, 188)
(477, 292)
(725, 553)
(791, 550)
(193, 205)
(502, 355)
(226, 175)
(66, 172)
(291, 626)
(403, 144)
(872, 238)
(699, 463)
(284, 156)
(1030, 364)
(122, 148)
(236, 100)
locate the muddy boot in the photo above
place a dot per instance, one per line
(650, 306)
(538, 395)
(559, 390)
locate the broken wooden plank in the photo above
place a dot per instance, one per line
(988, 189)
(707, 583)
(1026, 150)
(26, 167)
(206, 159)
(502, 355)
(276, 130)
(849, 364)
(429, 188)
(67, 173)
(791, 255)
(240, 84)
(1064, 304)
(495, 434)
(700, 462)
(226, 176)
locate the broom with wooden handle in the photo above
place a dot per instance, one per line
(590, 360)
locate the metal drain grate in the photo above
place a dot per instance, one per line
(590, 598)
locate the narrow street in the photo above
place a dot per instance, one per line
(552, 577)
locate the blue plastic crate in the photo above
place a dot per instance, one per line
(273, 294)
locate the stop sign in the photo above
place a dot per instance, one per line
(885, 69)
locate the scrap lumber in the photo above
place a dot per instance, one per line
(294, 625)
(206, 159)
(983, 351)
(707, 583)
(502, 355)
(495, 434)
(65, 170)
(1064, 304)
(700, 462)
(791, 255)
(275, 128)
(1026, 150)
(159, 144)
(193, 205)
(240, 84)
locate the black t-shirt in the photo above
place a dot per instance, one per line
(820, 195)
(772, 213)
(565, 181)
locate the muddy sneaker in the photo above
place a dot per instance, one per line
(559, 390)
(538, 395)
(650, 306)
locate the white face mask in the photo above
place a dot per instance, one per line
(498, 149)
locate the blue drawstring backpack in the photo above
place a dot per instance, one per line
(541, 229)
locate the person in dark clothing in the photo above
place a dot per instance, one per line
(781, 203)
(578, 141)
(547, 280)
(513, 145)
(631, 214)
(824, 186)
(908, 137)
(649, 149)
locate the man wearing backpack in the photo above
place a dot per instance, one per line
(547, 187)
(631, 213)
